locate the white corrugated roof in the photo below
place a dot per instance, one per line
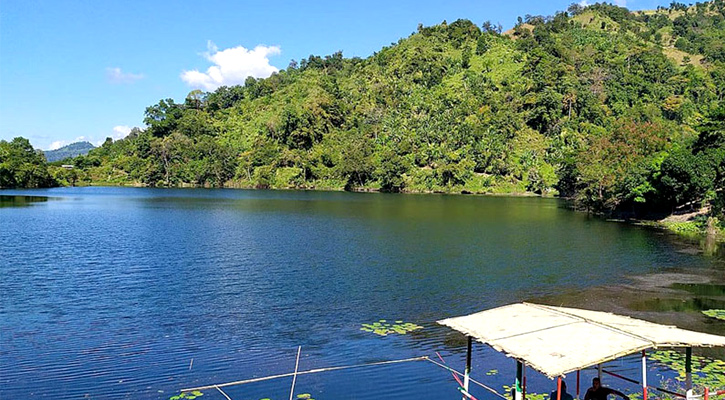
(559, 340)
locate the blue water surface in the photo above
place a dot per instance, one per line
(138, 293)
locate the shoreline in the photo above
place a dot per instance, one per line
(683, 225)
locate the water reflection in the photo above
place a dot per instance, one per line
(20, 201)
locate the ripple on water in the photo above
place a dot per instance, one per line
(111, 293)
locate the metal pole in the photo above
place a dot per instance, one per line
(518, 394)
(577, 383)
(688, 368)
(644, 375)
(558, 389)
(599, 373)
(467, 372)
(524, 392)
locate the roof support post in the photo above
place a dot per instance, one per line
(599, 372)
(467, 372)
(688, 368)
(524, 392)
(518, 387)
(644, 375)
(558, 388)
(577, 383)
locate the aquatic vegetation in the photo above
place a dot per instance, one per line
(492, 372)
(383, 328)
(687, 228)
(187, 395)
(718, 314)
(304, 396)
(706, 372)
(508, 391)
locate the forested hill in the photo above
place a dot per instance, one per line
(68, 151)
(621, 110)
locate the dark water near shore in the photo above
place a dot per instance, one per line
(112, 292)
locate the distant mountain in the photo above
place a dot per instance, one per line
(71, 150)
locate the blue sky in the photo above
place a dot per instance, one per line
(86, 70)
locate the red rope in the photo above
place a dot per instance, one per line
(454, 375)
(460, 388)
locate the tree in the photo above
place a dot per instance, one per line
(163, 118)
(686, 178)
(22, 166)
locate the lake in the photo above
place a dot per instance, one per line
(138, 293)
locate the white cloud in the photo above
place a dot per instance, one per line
(584, 3)
(115, 75)
(232, 66)
(621, 3)
(57, 144)
(121, 131)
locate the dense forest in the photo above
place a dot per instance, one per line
(622, 111)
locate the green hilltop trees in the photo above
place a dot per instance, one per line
(621, 111)
(22, 166)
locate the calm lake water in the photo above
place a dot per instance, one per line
(137, 293)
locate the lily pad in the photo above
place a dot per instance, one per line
(718, 314)
(707, 372)
(383, 328)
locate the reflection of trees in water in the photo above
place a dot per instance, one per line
(20, 201)
(711, 246)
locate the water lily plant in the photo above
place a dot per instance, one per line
(718, 314)
(187, 395)
(383, 328)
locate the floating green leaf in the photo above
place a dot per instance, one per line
(707, 372)
(529, 396)
(719, 314)
(383, 328)
(187, 395)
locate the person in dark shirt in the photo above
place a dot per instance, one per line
(599, 392)
(564, 394)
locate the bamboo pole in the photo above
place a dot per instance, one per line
(453, 371)
(311, 371)
(294, 377)
(222, 392)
